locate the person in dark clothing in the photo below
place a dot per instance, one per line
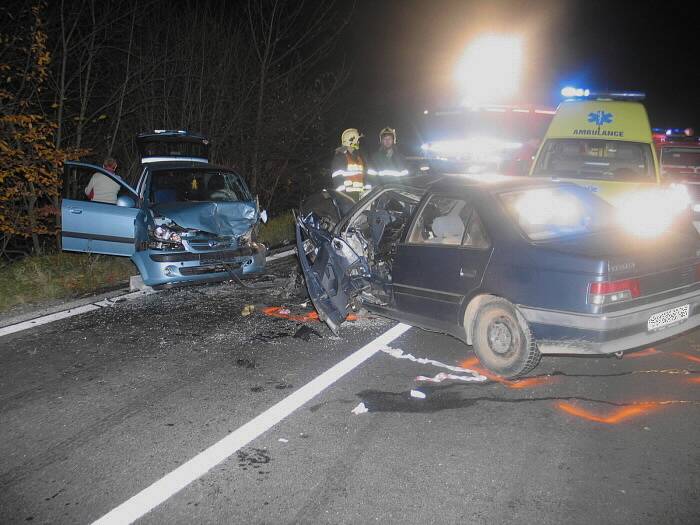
(348, 168)
(387, 163)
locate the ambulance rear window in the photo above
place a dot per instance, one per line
(596, 159)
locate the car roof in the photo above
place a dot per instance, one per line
(490, 183)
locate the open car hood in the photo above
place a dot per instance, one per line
(219, 218)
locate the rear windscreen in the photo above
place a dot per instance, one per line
(555, 212)
(197, 186)
(170, 148)
(596, 159)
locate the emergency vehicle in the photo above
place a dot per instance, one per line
(600, 141)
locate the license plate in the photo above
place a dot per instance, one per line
(216, 257)
(668, 317)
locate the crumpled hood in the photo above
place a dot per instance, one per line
(219, 218)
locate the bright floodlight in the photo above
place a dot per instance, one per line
(571, 92)
(489, 71)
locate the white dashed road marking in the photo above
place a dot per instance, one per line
(171, 483)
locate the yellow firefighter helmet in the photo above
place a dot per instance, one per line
(350, 138)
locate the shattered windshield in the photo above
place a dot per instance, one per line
(550, 213)
(197, 186)
(596, 159)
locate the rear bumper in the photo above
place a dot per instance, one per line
(559, 332)
(158, 268)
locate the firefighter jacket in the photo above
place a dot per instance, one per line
(386, 164)
(348, 171)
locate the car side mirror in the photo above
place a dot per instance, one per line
(263, 216)
(126, 201)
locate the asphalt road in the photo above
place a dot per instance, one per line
(95, 408)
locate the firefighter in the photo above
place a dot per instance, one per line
(387, 162)
(348, 170)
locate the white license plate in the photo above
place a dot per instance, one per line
(668, 317)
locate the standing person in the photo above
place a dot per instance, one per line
(101, 188)
(348, 169)
(387, 161)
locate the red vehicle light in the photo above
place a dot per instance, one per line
(614, 291)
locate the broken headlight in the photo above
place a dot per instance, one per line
(164, 237)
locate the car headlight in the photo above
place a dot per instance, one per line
(164, 235)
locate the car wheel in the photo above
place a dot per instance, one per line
(502, 343)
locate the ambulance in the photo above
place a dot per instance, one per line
(603, 142)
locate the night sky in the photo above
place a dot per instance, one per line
(403, 54)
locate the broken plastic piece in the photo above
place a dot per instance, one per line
(305, 333)
(283, 440)
(359, 409)
(247, 310)
(417, 394)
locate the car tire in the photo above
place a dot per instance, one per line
(502, 341)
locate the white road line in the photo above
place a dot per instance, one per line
(171, 483)
(63, 314)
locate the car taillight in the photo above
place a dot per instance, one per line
(613, 291)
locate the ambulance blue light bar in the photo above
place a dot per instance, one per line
(574, 92)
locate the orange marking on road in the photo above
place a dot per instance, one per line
(694, 380)
(689, 357)
(615, 417)
(527, 382)
(276, 311)
(643, 353)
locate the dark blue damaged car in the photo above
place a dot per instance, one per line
(514, 267)
(186, 220)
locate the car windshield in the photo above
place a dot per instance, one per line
(560, 211)
(680, 161)
(596, 159)
(197, 185)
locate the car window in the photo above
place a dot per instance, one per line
(596, 159)
(196, 186)
(442, 221)
(680, 161)
(84, 183)
(476, 234)
(555, 212)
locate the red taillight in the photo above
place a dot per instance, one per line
(613, 291)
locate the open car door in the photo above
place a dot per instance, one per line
(334, 273)
(92, 226)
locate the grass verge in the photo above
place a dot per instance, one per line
(278, 231)
(60, 275)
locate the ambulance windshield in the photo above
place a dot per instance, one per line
(596, 159)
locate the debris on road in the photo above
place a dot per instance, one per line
(417, 394)
(247, 310)
(282, 312)
(305, 333)
(442, 376)
(283, 440)
(359, 409)
(399, 354)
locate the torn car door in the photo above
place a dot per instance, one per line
(333, 271)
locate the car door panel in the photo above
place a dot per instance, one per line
(334, 273)
(97, 227)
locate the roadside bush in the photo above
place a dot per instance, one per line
(60, 275)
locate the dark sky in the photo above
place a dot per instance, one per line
(404, 51)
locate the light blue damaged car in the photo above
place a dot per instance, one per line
(185, 221)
